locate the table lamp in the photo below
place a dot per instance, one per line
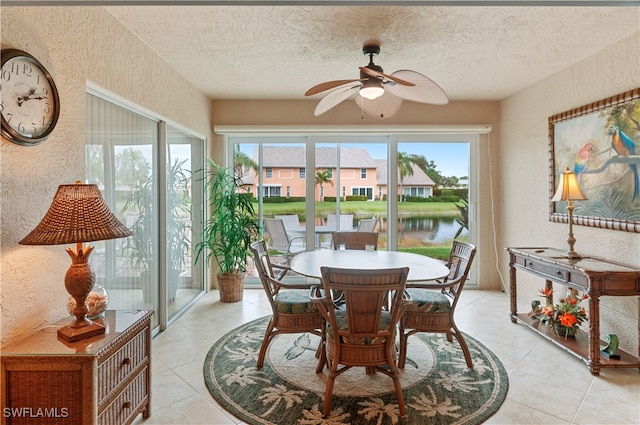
(569, 190)
(78, 214)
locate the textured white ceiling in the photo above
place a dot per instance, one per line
(278, 52)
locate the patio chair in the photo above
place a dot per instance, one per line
(292, 311)
(433, 305)
(354, 240)
(346, 221)
(279, 239)
(290, 221)
(367, 225)
(361, 333)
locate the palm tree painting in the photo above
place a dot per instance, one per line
(600, 143)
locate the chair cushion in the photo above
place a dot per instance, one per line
(294, 301)
(428, 301)
(341, 321)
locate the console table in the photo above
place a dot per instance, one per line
(105, 379)
(593, 275)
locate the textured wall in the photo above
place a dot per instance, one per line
(525, 216)
(77, 45)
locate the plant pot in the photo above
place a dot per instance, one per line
(565, 332)
(231, 287)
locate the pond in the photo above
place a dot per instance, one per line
(428, 230)
(415, 230)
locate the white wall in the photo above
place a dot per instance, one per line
(76, 45)
(524, 161)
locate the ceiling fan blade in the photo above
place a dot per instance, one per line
(383, 107)
(335, 97)
(424, 91)
(374, 73)
(326, 86)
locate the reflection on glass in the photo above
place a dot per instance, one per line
(122, 159)
(184, 282)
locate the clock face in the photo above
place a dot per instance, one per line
(29, 101)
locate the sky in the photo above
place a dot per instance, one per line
(451, 159)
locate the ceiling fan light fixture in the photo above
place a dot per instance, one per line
(372, 89)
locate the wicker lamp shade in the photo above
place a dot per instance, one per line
(78, 213)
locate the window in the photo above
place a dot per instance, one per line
(268, 173)
(421, 192)
(376, 158)
(271, 191)
(330, 173)
(144, 167)
(363, 191)
(302, 173)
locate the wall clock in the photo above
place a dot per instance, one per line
(29, 102)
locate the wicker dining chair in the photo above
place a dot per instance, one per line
(362, 333)
(354, 240)
(433, 305)
(292, 310)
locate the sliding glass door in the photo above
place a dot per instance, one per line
(144, 167)
(418, 186)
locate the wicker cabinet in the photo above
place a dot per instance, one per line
(104, 379)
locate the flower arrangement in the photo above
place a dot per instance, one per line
(564, 317)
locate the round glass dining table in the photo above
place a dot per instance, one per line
(421, 268)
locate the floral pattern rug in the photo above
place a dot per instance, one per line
(438, 387)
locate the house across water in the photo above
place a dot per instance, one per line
(284, 174)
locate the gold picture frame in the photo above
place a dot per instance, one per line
(600, 142)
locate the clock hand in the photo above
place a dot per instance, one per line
(22, 99)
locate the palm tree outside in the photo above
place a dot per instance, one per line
(405, 168)
(321, 178)
(242, 163)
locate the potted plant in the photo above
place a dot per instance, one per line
(231, 227)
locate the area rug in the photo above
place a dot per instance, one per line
(438, 387)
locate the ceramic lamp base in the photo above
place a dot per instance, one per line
(71, 334)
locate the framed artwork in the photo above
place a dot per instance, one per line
(600, 142)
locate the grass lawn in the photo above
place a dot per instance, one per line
(365, 208)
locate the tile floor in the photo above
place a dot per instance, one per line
(546, 384)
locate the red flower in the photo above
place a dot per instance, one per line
(546, 292)
(568, 320)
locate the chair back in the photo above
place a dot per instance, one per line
(278, 239)
(459, 264)
(264, 267)
(346, 221)
(368, 225)
(354, 240)
(289, 220)
(365, 293)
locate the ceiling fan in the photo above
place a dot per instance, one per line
(379, 95)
